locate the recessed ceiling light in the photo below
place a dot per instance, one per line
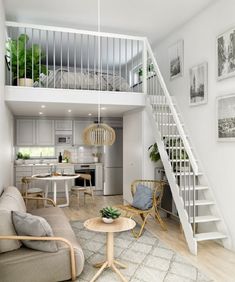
(40, 113)
(69, 110)
(103, 108)
(90, 114)
(43, 106)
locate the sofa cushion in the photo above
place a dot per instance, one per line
(10, 200)
(31, 225)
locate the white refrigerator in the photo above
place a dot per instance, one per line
(113, 166)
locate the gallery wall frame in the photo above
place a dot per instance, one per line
(225, 54)
(176, 59)
(198, 84)
(225, 117)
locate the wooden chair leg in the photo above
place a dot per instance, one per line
(137, 235)
(162, 223)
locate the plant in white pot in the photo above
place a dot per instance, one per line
(24, 62)
(19, 158)
(109, 214)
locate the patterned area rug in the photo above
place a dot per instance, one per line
(148, 259)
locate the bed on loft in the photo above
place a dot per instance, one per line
(62, 58)
(85, 80)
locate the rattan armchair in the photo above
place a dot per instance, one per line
(157, 188)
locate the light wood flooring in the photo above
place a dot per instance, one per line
(215, 261)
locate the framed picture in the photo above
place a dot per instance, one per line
(226, 118)
(198, 84)
(176, 53)
(225, 54)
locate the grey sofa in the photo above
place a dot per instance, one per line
(27, 265)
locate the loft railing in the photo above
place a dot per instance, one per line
(51, 57)
(182, 161)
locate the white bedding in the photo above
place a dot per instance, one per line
(62, 78)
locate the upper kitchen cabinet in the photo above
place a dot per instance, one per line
(63, 125)
(31, 132)
(45, 132)
(25, 132)
(79, 126)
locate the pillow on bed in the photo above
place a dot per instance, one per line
(31, 225)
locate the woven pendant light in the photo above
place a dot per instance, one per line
(99, 134)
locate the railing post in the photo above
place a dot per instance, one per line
(144, 67)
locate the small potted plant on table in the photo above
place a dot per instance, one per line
(109, 214)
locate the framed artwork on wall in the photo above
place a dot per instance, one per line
(198, 84)
(225, 54)
(226, 118)
(176, 56)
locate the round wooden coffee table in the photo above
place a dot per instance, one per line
(120, 224)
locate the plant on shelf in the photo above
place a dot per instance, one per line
(109, 214)
(154, 153)
(25, 63)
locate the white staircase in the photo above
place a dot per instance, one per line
(192, 195)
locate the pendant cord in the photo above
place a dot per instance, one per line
(99, 63)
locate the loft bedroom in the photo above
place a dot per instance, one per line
(43, 62)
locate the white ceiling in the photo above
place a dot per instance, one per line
(152, 18)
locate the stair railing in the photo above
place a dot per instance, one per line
(182, 161)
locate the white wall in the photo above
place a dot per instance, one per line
(6, 119)
(137, 137)
(217, 158)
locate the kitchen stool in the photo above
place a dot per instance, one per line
(87, 190)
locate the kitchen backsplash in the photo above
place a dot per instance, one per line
(80, 154)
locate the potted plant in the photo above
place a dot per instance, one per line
(25, 63)
(96, 157)
(154, 153)
(19, 158)
(109, 214)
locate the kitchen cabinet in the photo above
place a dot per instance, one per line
(45, 134)
(64, 125)
(25, 132)
(99, 177)
(31, 132)
(20, 172)
(79, 126)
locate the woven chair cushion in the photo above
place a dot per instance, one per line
(34, 190)
(143, 197)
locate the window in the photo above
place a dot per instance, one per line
(37, 152)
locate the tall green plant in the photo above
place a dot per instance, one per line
(25, 62)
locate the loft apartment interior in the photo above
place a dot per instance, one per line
(117, 123)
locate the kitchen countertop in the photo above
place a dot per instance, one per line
(57, 164)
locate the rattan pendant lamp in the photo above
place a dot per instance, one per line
(99, 134)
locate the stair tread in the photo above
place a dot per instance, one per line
(200, 202)
(204, 218)
(209, 236)
(198, 187)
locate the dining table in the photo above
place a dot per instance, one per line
(54, 179)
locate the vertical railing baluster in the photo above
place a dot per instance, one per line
(82, 76)
(132, 79)
(96, 78)
(54, 59)
(120, 74)
(47, 55)
(75, 60)
(61, 59)
(88, 61)
(32, 54)
(68, 51)
(189, 194)
(40, 57)
(126, 74)
(113, 64)
(25, 57)
(101, 64)
(194, 206)
(107, 63)
(138, 64)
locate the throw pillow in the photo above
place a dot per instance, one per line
(31, 225)
(143, 198)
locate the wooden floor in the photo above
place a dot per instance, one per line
(215, 261)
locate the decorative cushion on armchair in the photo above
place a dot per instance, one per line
(143, 197)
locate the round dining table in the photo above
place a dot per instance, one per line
(54, 180)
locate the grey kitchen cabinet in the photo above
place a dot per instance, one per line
(45, 132)
(30, 132)
(99, 177)
(79, 126)
(64, 125)
(25, 132)
(20, 172)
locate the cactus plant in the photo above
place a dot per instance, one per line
(110, 212)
